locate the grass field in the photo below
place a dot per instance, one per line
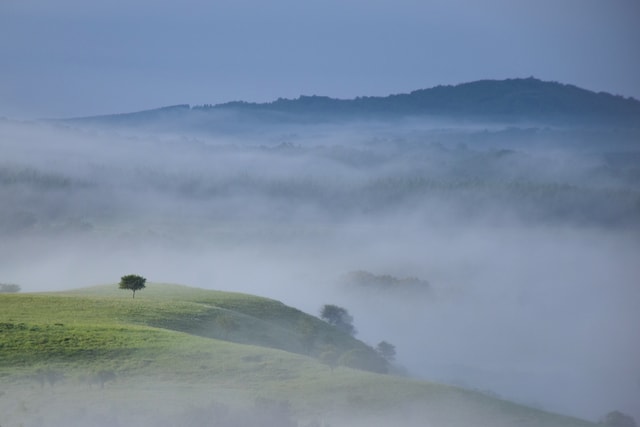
(96, 356)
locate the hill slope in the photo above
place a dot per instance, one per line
(154, 360)
(511, 100)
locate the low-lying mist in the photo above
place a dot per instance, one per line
(528, 239)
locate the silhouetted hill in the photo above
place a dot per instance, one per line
(508, 100)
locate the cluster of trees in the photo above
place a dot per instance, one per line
(33, 178)
(618, 419)
(8, 288)
(380, 177)
(372, 359)
(358, 358)
(385, 282)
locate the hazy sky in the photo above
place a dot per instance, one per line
(74, 58)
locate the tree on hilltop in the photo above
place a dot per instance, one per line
(132, 282)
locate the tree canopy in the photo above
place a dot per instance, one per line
(386, 350)
(132, 282)
(338, 317)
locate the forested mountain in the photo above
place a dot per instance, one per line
(527, 99)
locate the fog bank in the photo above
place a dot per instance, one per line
(528, 239)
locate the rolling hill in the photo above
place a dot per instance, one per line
(184, 356)
(526, 100)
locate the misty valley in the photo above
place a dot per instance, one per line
(499, 257)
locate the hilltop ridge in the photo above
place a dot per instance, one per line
(520, 99)
(138, 350)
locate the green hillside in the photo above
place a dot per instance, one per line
(182, 356)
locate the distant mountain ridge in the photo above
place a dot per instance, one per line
(510, 99)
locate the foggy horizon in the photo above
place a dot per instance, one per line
(520, 237)
(76, 59)
(532, 276)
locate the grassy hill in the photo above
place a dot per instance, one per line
(182, 356)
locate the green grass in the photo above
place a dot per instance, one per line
(170, 338)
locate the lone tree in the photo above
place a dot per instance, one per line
(338, 317)
(387, 351)
(132, 282)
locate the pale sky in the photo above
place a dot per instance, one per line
(75, 57)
